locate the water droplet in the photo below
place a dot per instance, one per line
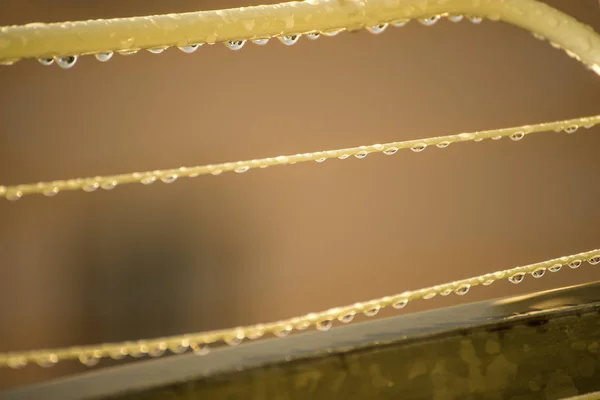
(89, 359)
(463, 289)
(517, 278)
(555, 268)
(400, 23)
(332, 33)
(571, 129)
(90, 186)
(242, 169)
(555, 45)
(283, 331)
(443, 145)
(479, 139)
(346, 318)
(200, 349)
(103, 56)
(377, 28)
(51, 191)
(517, 136)
(430, 20)
(343, 156)
(313, 35)
(324, 325)
(289, 39)
(16, 362)
(261, 42)
(235, 44)
(47, 360)
(475, 19)
(588, 126)
(372, 310)
(158, 350)
(302, 325)
(169, 178)
(487, 282)
(538, 36)
(575, 264)
(179, 347)
(445, 292)
(390, 151)
(8, 62)
(190, 48)
(429, 295)
(496, 137)
(455, 18)
(127, 52)
(256, 333)
(46, 61)
(148, 180)
(66, 62)
(157, 50)
(361, 154)
(118, 354)
(108, 185)
(14, 195)
(595, 260)
(419, 147)
(320, 160)
(400, 303)
(235, 339)
(138, 351)
(216, 172)
(538, 273)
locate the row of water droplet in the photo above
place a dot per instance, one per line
(199, 344)
(584, 44)
(50, 189)
(67, 62)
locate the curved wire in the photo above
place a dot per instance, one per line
(199, 342)
(170, 175)
(44, 41)
(286, 20)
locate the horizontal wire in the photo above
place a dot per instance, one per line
(67, 40)
(199, 342)
(91, 184)
(156, 32)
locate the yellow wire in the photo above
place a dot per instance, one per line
(90, 355)
(132, 34)
(292, 18)
(169, 175)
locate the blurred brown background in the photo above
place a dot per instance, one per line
(216, 252)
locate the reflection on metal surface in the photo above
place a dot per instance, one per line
(589, 396)
(552, 299)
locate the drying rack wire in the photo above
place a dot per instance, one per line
(64, 42)
(109, 182)
(201, 343)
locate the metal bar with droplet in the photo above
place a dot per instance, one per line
(170, 175)
(67, 40)
(323, 321)
(557, 328)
